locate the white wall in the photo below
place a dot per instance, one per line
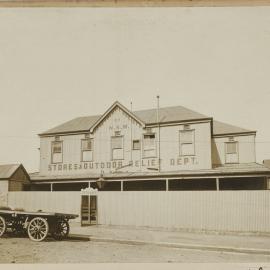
(245, 211)
(63, 202)
(246, 149)
(131, 130)
(170, 154)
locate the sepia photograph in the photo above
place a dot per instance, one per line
(135, 134)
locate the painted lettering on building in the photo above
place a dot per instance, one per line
(151, 163)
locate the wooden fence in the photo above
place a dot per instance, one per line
(245, 211)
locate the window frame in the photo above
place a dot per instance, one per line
(52, 153)
(118, 136)
(92, 149)
(181, 143)
(136, 149)
(155, 145)
(237, 152)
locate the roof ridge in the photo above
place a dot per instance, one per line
(167, 107)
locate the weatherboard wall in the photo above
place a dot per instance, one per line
(3, 192)
(134, 160)
(246, 149)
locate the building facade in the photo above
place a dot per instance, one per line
(171, 148)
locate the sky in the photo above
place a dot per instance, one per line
(60, 63)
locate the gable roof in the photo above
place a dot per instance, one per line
(115, 105)
(167, 114)
(145, 117)
(7, 170)
(220, 128)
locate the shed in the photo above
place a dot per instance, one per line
(13, 177)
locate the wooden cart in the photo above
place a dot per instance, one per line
(36, 224)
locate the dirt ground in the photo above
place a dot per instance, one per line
(22, 250)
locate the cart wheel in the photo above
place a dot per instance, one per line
(38, 229)
(61, 230)
(3, 226)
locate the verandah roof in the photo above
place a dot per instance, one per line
(224, 170)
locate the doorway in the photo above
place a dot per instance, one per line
(89, 210)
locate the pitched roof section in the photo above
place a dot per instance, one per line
(115, 105)
(220, 128)
(166, 115)
(7, 170)
(169, 114)
(74, 125)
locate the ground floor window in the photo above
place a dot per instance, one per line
(70, 186)
(242, 183)
(192, 184)
(109, 186)
(41, 187)
(235, 183)
(144, 185)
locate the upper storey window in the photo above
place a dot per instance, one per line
(187, 142)
(87, 149)
(149, 145)
(57, 152)
(117, 146)
(136, 145)
(231, 152)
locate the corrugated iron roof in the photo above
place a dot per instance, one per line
(7, 170)
(167, 114)
(223, 128)
(246, 168)
(76, 124)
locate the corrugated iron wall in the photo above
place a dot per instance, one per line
(247, 211)
(65, 202)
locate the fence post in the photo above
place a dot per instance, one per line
(217, 183)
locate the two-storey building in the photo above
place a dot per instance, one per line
(171, 148)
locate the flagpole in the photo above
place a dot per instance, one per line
(158, 122)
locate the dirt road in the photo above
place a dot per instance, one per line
(22, 250)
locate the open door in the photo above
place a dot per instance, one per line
(89, 210)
